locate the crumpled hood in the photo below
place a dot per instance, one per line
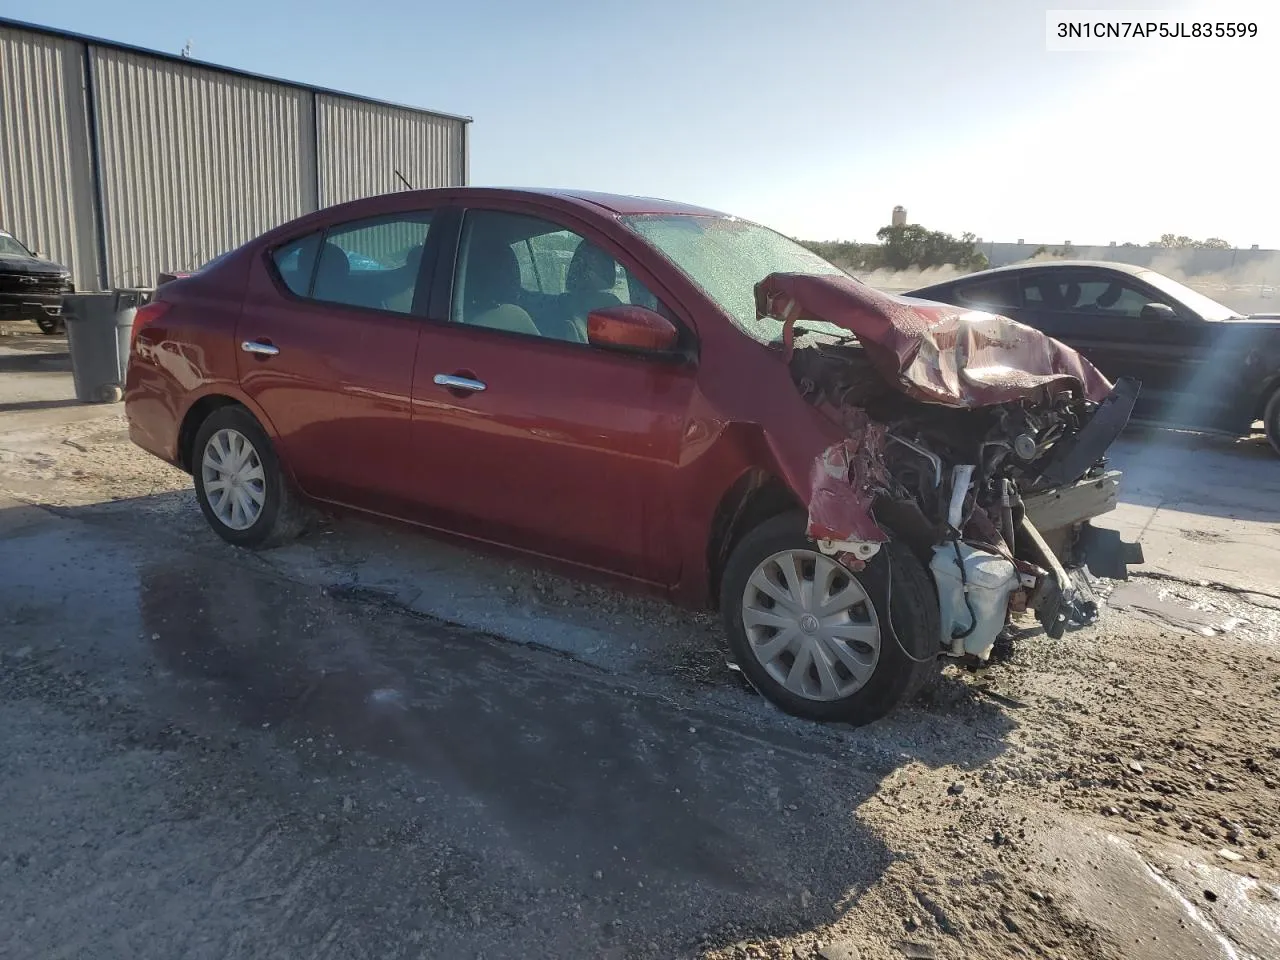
(929, 351)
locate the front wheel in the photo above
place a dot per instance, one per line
(243, 492)
(824, 642)
(49, 326)
(1271, 420)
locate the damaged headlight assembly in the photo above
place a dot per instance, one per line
(976, 441)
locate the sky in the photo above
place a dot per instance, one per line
(815, 117)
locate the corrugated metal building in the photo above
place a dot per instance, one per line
(122, 162)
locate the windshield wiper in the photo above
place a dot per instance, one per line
(803, 326)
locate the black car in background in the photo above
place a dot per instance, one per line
(31, 288)
(1202, 365)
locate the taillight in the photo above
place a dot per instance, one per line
(146, 315)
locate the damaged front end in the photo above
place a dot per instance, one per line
(977, 441)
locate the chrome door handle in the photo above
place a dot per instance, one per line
(262, 349)
(458, 383)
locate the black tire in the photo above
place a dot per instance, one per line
(48, 326)
(904, 667)
(1271, 421)
(282, 517)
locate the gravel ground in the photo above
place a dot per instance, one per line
(378, 779)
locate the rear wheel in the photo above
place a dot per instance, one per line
(240, 485)
(49, 326)
(824, 642)
(1271, 420)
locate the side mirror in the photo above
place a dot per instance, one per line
(1157, 311)
(636, 328)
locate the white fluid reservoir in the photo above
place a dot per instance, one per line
(990, 579)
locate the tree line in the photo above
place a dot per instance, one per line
(912, 246)
(902, 248)
(1167, 241)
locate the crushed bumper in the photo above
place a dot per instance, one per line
(1062, 508)
(1073, 550)
(1062, 518)
(1072, 460)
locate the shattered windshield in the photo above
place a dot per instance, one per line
(727, 257)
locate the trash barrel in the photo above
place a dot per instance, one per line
(99, 330)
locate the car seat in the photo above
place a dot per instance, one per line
(1108, 297)
(491, 288)
(588, 285)
(403, 282)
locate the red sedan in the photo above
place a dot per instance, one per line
(659, 393)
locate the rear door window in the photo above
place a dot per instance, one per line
(296, 262)
(1047, 292)
(992, 295)
(373, 263)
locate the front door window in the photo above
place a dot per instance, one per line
(526, 275)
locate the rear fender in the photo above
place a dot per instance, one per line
(232, 392)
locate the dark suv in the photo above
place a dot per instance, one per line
(31, 288)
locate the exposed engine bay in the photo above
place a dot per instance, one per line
(990, 472)
(955, 484)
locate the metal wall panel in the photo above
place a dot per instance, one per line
(194, 162)
(123, 164)
(46, 185)
(363, 145)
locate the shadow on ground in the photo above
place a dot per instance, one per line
(510, 795)
(38, 405)
(1202, 474)
(35, 361)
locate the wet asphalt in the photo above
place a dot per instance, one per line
(206, 759)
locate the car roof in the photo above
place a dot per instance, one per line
(623, 204)
(614, 203)
(589, 203)
(1053, 264)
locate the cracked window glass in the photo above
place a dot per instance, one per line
(727, 257)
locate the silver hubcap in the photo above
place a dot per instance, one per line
(233, 479)
(811, 625)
